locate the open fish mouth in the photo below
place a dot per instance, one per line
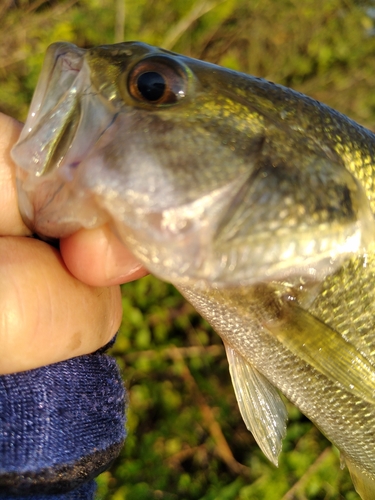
(66, 119)
(52, 108)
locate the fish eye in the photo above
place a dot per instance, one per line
(157, 80)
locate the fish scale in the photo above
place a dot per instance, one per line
(240, 326)
(255, 201)
(338, 305)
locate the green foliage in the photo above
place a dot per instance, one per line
(324, 48)
(186, 439)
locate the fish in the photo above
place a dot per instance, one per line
(255, 201)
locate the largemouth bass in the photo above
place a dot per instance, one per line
(255, 201)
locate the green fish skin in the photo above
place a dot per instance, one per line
(256, 201)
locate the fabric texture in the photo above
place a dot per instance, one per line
(60, 426)
(84, 492)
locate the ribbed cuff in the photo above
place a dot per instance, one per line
(60, 426)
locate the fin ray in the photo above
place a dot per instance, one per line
(260, 404)
(364, 483)
(326, 350)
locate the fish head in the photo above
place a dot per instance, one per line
(206, 174)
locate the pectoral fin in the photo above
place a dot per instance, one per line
(261, 407)
(363, 482)
(325, 349)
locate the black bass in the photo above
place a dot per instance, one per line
(255, 201)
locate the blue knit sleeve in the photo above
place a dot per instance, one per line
(60, 426)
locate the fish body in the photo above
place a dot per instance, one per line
(255, 201)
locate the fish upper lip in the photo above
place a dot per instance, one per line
(61, 58)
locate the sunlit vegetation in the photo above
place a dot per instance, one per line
(186, 439)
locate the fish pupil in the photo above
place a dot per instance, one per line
(151, 85)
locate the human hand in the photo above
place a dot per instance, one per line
(54, 306)
(61, 424)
